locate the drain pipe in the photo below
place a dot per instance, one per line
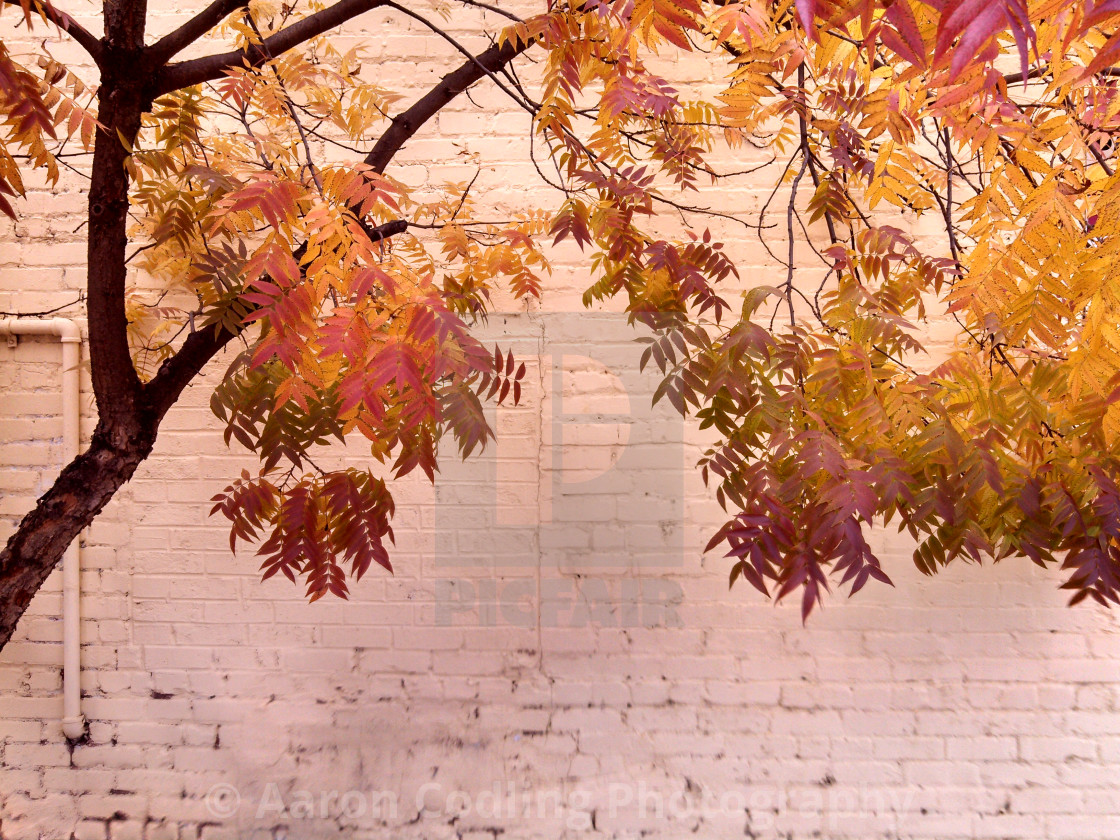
(68, 332)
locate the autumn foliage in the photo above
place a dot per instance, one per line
(991, 120)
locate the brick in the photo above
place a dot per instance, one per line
(91, 830)
(126, 830)
(1056, 749)
(981, 749)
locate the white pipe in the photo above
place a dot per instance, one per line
(68, 332)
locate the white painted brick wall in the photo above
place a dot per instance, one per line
(508, 681)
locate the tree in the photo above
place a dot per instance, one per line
(355, 303)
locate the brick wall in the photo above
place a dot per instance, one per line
(554, 656)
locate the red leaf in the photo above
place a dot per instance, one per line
(807, 11)
(1106, 56)
(975, 23)
(905, 39)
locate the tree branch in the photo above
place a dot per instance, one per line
(162, 50)
(490, 7)
(196, 71)
(522, 101)
(1043, 69)
(405, 125)
(67, 24)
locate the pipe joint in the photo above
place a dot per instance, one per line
(74, 728)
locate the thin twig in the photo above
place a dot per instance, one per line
(66, 23)
(79, 300)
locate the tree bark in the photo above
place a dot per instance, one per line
(121, 102)
(81, 491)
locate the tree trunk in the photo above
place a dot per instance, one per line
(126, 428)
(79, 494)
